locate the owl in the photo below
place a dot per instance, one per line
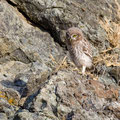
(79, 48)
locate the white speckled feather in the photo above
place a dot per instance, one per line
(79, 48)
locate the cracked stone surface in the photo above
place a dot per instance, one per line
(37, 81)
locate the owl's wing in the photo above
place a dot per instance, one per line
(87, 48)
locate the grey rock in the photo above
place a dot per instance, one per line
(107, 79)
(8, 72)
(3, 116)
(12, 96)
(21, 80)
(114, 72)
(25, 115)
(62, 98)
(7, 109)
(26, 50)
(21, 43)
(32, 34)
(19, 55)
(57, 16)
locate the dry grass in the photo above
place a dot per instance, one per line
(113, 36)
(113, 31)
(65, 64)
(107, 58)
(60, 64)
(112, 28)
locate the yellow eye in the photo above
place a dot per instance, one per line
(74, 36)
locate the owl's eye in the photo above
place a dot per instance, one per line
(74, 36)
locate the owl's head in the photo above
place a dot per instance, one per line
(74, 34)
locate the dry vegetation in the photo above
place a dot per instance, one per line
(108, 57)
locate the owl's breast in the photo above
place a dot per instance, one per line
(79, 57)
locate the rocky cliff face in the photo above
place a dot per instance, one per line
(38, 80)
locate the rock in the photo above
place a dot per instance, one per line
(8, 72)
(107, 79)
(24, 50)
(67, 96)
(26, 46)
(115, 108)
(18, 43)
(19, 55)
(7, 109)
(107, 92)
(25, 115)
(56, 16)
(114, 72)
(21, 80)
(3, 116)
(11, 95)
(37, 79)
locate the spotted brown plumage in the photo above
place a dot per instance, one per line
(79, 48)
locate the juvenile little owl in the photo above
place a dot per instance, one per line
(79, 48)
